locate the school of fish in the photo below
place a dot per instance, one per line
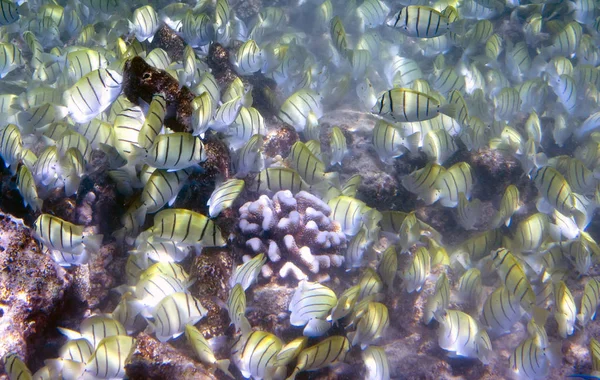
(435, 80)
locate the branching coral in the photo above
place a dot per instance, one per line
(296, 229)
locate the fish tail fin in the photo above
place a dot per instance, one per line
(223, 365)
(449, 110)
(92, 243)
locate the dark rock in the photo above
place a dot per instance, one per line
(166, 39)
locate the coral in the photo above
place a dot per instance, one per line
(140, 80)
(218, 61)
(280, 141)
(32, 289)
(296, 229)
(166, 39)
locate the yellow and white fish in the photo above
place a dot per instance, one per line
(406, 105)
(92, 94)
(171, 315)
(255, 355)
(415, 275)
(322, 354)
(501, 310)
(57, 234)
(424, 22)
(438, 302)
(461, 334)
(186, 228)
(224, 195)
(145, 23)
(565, 311)
(203, 350)
(247, 273)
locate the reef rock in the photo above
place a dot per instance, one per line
(32, 288)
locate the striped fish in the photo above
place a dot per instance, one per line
(255, 355)
(461, 334)
(509, 204)
(94, 329)
(457, 179)
(11, 146)
(28, 189)
(406, 105)
(348, 212)
(248, 123)
(145, 23)
(97, 132)
(247, 273)
(175, 151)
(388, 266)
(338, 35)
(186, 228)
(311, 302)
(514, 279)
(291, 350)
(250, 158)
(422, 182)
(152, 288)
(153, 122)
(595, 354)
(236, 308)
(310, 168)
(10, 58)
(81, 62)
(92, 94)
(295, 110)
(15, 368)
(109, 359)
(554, 189)
(338, 146)
(249, 58)
(501, 310)
(528, 360)
(439, 145)
(202, 113)
(203, 350)
(371, 325)
(10, 12)
(197, 30)
(589, 301)
(376, 363)
(390, 142)
(345, 304)
(322, 354)
(438, 302)
(531, 233)
(415, 275)
(57, 234)
(77, 350)
(173, 313)
(469, 286)
(565, 311)
(277, 179)
(224, 195)
(424, 22)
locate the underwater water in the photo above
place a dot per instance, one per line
(299, 189)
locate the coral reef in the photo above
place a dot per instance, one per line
(295, 232)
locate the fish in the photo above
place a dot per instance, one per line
(589, 302)
(388, 266)
(371, 325)
(529, 360)
(278, 178)
(94, 329)
(255, 355)
(338, 145)
(422, 182)
(248, 123)
(509, 204)
(370, 284)
(457, 179)
(297, 109)
(415, 275)
(310, 306)
(175, 151)
(531, 233)
(424, 22)
(15, 367)
(348, 212)
(60, 235)
(81, 62)
(11, 146)
(247, 273)
(28, 189)
(224, 196)
(92, 94)
(249, 58)
(501, 310)
(376, 363)
(203, 350)
(322, 354)
(10, 58)
(186, 228)
(170, 316)
(162, 188)
(470, 285)
(565, 309)
(439, 145)
(514, 278)
(389, 141)
(236, 307)
(338, 35)
(460, 333)
(468, 213)
(197, 29)
(249, 157)
(110, 357)
(77, 350)
(10, 12)
(152, 288)
(438, 302)
(406, 105)
(291, 350)
(145, 23)
(153, 122)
